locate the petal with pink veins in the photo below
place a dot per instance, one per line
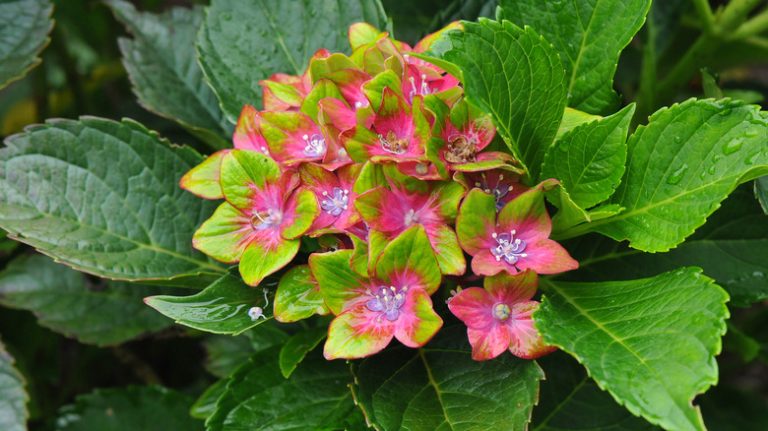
(488, 343)
(417, 322)
(473, 306)
(525, 340)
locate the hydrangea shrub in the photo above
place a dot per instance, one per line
(402, 231)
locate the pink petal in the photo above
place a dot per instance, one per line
(474, 307)
(511, 289)
(484, 263)
(247, 135)
(336, 113)
(488, 343)
(357, 333)
(525, 340)
(546, 257)
(417, 322)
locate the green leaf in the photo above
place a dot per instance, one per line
(572, 118)
(761, 192)
(103, 198)
(732, 248)
(515, 75)
(439, 387)
(13, 408)
(221, 308)
(205, 404)
(162, 64)
(297, 347)
(589, 35)
(244, 41)
(148, 408)
(24, 28)
(100, 313)
(650, 342)
(7, 245)
(570, 400)
(298, 296)
(681, 166)
(589, 160)
(316, 396)
(226, 353)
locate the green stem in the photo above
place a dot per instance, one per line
(758, 24)
(706, 15)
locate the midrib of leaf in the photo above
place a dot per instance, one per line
(436, 387)
(614, 337)
(576, 64)
(281, 42)
(560, 405)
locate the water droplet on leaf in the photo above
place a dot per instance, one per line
(677, 175)
(733, 146)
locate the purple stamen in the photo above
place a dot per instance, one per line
(509, 248)
(387, 301)
(315, 145)
(336, 202)
(266, 219)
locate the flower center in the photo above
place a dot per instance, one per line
(392, 143)
(335, 202)
(387, 301)
(461, 149)
(508, 247)
(411, 217)
(266, 219)
(423, 89)
(501, 311)
(315, 145)
(499, 191)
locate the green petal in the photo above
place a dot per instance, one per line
(374, 89)
(352, 336)
(449, 255)
(376, 242)
(362, 33)
(450, 194)
(410, 252)
(259, 261)
(321, 68)
(322, 89)
(476, 216)
(306, 212)
(338, 282)
(359, 259)
(222, 236)
(203, 179)
(394, 176)
(369, 204)
(298, 296)
(240, 170)
(371, 176)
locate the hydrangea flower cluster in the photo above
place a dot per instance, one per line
(379, 157)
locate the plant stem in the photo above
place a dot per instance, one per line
(706, 15)
(754, 26)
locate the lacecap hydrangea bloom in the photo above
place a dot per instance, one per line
(397, 179)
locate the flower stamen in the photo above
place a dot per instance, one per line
(315, 145)
(336, 202)
(508, 247)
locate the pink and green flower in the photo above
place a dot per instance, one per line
(335, 194)
(502, 184)
(499, 317)
(515, 239)
(391, 210)
(264, 214)
(393, 302)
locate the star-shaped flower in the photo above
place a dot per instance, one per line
(264, 215)
(392, 302)
(499, 317)
(514, 240)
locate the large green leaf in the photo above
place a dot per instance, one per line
(101, 313)
(257, 397)
(103, 197)
(588, 35)
(24, 28)
(650, 342)
(571, 401)
(148, 408)
(13, 407)
(515, 75)
(226, 353)
(440, 387)
(162, 64)
(681, 166)
(297, 347)
(732, 248)
(244, 41)
(589, 159)
(221, 308)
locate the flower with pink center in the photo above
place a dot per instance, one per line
(499, 317)
(389, 211)
(393, 302)
(264, 214)
(515, 239)
(335, 194)
(397, 132)
(293, 137)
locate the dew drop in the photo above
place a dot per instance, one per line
(751, 159)
(677, 175)
(758, 274)
(711, 170)
(732, 146)
(226, 16)
(751, 133)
